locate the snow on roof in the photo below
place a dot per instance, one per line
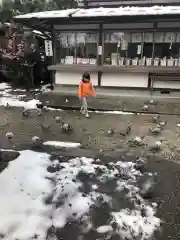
(127, 11)
(101, 12)
(48, 14)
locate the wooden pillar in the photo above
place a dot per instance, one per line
(53, 59)
(100, 45)
(149, 75)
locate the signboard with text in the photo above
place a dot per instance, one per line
(48, 48)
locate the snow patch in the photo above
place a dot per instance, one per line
(139, 225)
(23, 188)
(75, 205)
(14, 102)
(25, 184)
(114, 112)
(49, 14)
(53, 109)
(104, 229)
(4, 86)
(62, 144)
(99, 12)
(127, 11)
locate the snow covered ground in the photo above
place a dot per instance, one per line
(15, 100)
(40, 194)
(58, 144)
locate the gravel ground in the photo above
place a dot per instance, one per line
(93, 134)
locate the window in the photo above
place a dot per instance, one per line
(115, 47)
(166, 49)
(123, 48)
(142, 48)
(76, 47)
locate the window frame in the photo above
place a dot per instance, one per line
(143, 32)
(93, 31)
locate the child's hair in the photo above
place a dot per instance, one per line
(86, 77)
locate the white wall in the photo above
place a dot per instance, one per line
(125, 79)
(114, 80)
(165, 84)
(65, 78)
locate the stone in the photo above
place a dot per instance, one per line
(7, 155)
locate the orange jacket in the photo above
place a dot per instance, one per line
(85, 89)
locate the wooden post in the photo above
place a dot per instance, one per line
(53, 58)
(99, 57)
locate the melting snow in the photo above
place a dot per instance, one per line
(96, 12)
(104, 229)
(4, 86)
(114, 112)
(130, 11)
(49, 14)
(23, 187)
(8, 99)
(14, 102)
(62, 144)
(26, 183)
(130, 224)
(68, 192)
(53, 109)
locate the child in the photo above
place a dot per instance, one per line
(84, 91)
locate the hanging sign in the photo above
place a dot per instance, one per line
(139, 48)
(48, 48)
(99, 50)
(123, 45)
